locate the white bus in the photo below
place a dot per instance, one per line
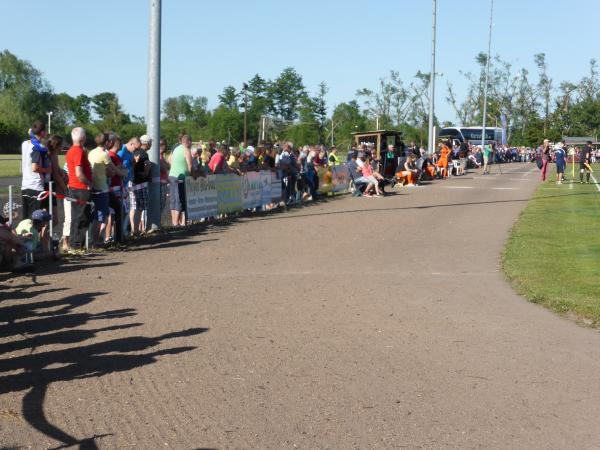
(493, 135)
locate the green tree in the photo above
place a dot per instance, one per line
(226, 124)
(347, 119)
(286, 93)
(25, 96)
(110, 113)
(229, 98)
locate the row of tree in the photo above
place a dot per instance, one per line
(284, 109)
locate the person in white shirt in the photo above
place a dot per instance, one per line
(36, 170)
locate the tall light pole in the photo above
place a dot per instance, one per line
(49, 114)
(431, 143)
(153, 111)
(487, 74)
(245, 88)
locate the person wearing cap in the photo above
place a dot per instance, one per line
(585, 158)
(34, 230)
(560, 160)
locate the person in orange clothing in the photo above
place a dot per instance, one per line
(411, 173)
(443, 159)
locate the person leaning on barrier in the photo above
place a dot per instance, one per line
(102, 170)
(126, 154)
(217, 161)
(35, 169)
(181, 167)
(138, 197)
(164, 168)
(117, 193)
(59, 176)
(80, 183)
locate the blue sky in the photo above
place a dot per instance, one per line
(94, 46)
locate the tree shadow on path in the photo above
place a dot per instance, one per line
(56, 323)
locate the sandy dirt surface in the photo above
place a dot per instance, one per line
(353, 323)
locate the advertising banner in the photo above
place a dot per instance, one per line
(275, 188)
(251, 190)
(265, 187)
(229, 193)
(200, 197)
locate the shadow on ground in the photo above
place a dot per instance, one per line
(51, 339)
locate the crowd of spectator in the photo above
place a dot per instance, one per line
(104, 187)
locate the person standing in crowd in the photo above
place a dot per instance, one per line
(116, 194)
(217, 161)
(80, 183)
(126, 156)
(585, 159)
(334, 159)
(164, 172)
(102, 170)
(487, 153)
(35, 169)
(138, 195)
(181, 167)
(311, 172)
(544, 152)
(412, 148)
(560, 160)
(59, 176)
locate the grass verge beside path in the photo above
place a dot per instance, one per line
(553, 254)
(10, 165)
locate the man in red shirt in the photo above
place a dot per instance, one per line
(217, 161)
(80, 182)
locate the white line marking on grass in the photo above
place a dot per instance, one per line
(595, 182)
(571, 185)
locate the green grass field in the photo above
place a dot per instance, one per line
(553, 254)
(10, 165)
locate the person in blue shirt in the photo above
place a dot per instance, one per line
(560, 160)
(126, 155)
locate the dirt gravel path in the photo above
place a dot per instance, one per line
(354, 323)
